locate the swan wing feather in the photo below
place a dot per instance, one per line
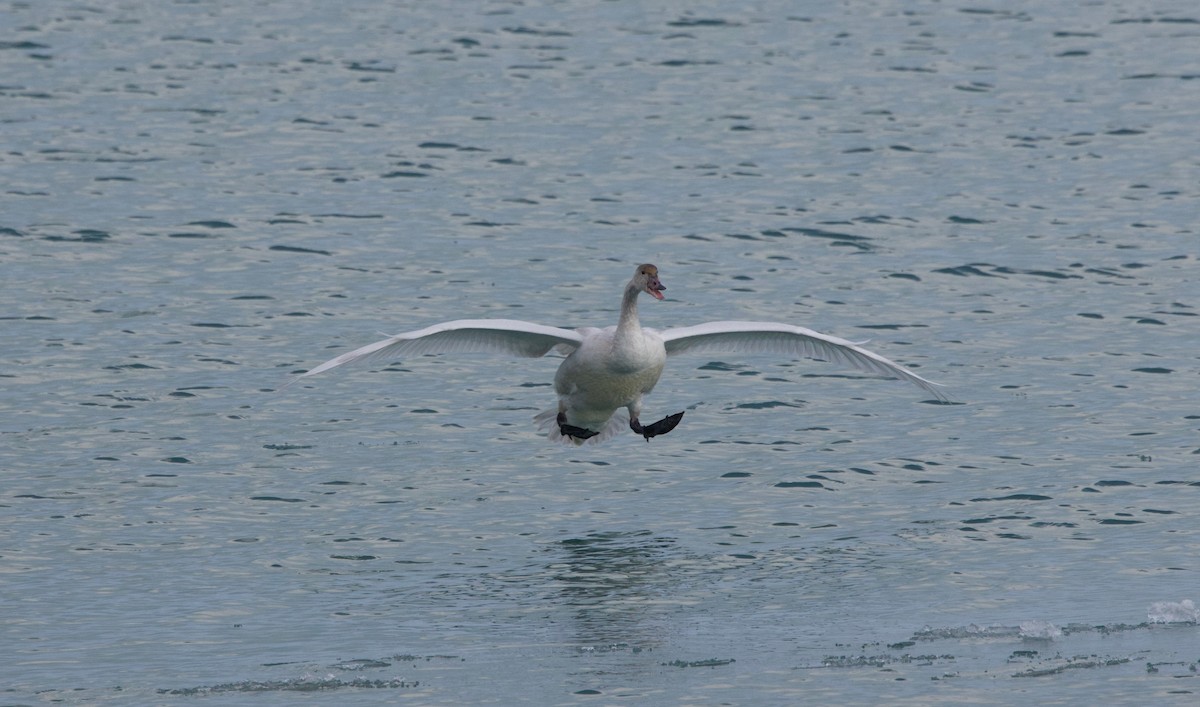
(501, 336)
(779, 338)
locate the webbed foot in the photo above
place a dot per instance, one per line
(661, 427)
(571, 430)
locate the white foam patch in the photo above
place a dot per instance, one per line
(1170, 612)
(1039, 630)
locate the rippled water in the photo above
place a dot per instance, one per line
(201, 198)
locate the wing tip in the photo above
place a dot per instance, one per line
(941, 397)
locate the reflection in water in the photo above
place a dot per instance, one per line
(611, 581)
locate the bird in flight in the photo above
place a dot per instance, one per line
(615, 367)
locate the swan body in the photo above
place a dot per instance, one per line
(615, 367)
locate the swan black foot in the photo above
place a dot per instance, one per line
(661, 427)
(571, 430)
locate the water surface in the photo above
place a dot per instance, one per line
(202, 198)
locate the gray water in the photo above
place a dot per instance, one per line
(200, 199)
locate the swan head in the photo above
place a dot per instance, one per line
(645, 279)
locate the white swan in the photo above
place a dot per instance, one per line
(612, 368)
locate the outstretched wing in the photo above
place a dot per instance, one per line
(502, 336)
(773, 337)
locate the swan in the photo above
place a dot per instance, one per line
(615, 367)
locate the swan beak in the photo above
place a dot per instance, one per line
(655, 288)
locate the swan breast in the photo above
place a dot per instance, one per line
(608, 371)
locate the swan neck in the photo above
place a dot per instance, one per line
(629, 314)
